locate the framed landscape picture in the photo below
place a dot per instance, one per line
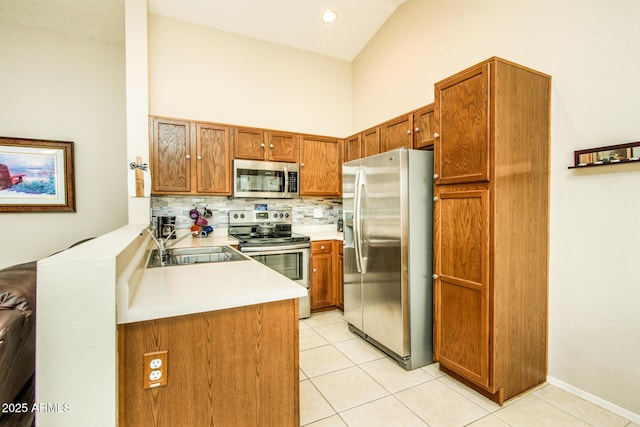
(36, 175)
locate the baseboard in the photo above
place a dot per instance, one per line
(595, 400)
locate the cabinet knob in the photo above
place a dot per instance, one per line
(436, 135)
(199, 157)
(314, 270)
(416, 130)
(322, 247)
(301, 165)
(188, 156)
(262, 145)
(270, 145)
(408, 131)
(436, 198)
(436, 176)
(435, 276)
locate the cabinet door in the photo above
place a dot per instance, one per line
(321, 279)
(424, 127)
(170, 156)
(462, 151)
(320, 166)
(338, 267)
(249, 143)
(213, 159)
(352, 148)
(282, 147)
(461, 287)
(397, 133)
(370, 142)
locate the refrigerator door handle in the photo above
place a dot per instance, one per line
(357, 221)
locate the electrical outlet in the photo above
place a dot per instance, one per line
(155, 369)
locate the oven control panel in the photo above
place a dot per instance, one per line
(272, 216)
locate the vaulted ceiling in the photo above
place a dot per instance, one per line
(293, 23)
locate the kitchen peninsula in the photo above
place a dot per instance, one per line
(230, 330)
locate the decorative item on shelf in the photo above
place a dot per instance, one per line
(609, 155)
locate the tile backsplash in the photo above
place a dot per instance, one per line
(302, 208)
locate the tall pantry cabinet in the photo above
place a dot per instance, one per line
(491, 227)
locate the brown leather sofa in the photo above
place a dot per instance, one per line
(17, 329)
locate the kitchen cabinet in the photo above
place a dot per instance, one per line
(338, 281)
(322, 275)
(213, 159)
(397, 133)
(189, 157)
(326, 275)
(320, 166)
(261, 144)
(233, 367)
(282, 147)
(363, 144)
(412, 130)
(491, 227)
(423, 128)
(170, 157)
(371, 141)
(352, 147)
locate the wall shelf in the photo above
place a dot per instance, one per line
(609, 155)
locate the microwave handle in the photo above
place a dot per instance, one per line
(286, 179)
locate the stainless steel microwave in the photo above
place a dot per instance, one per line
(255, 178)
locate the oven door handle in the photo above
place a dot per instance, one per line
(276, 248)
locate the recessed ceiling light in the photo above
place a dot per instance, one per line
(329, 16)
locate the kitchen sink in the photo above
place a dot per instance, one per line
(184, 256)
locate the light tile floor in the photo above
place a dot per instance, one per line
(345, 381)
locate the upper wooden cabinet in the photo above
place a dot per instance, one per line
(462, 122)
(189, 157)
(171, 154)
(491, 227)
(213, 159)
(411, 130)
(397, 133)
(261, 144)
(282, 147)
(371, 141)
(424, 128)
(352, 147)
(249, 143)
(320, 166)
(363, 144)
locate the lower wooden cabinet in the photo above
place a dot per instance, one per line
(235, 367)
(326, 275)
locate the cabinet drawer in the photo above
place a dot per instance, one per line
(321, 247)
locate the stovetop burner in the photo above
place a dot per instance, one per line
(263, 228)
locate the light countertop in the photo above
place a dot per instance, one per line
(187, 289)
(319, 232)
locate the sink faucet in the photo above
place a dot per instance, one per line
(162, 245)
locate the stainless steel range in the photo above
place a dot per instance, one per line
(265, 235)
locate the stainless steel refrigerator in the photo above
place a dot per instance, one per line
(388, 252)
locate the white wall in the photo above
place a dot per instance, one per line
(66, 88)
(204, 74)
(593, 55)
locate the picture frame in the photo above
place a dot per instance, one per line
(36, 175)
(609, 155)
